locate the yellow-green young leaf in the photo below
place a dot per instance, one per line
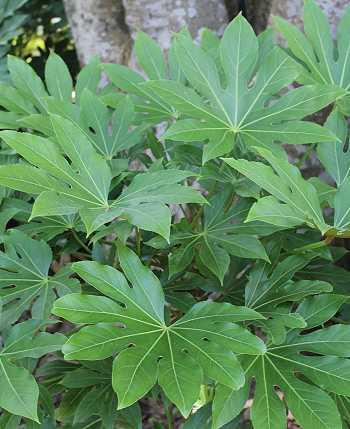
(148, 349)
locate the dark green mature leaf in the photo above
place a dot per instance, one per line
(295, 200)
(223, 234)
(324, 61)
(222, 112)
(204, 340)
(329, 369)
(19, 391)
(83, 185)
(24, 280)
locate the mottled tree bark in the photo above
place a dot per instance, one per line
(292, 10)
(161, 18)
(99, 29)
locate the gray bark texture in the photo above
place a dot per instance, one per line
(98, 28)
(106, 28)
(292, 10)
(161, 18)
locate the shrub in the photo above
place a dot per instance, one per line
(158, 245)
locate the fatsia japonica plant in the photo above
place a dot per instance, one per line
(166, 261)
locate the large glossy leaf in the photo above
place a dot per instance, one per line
(204, 339)
(239, 108)
(310, 405)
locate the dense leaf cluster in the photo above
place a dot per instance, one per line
(158, 246)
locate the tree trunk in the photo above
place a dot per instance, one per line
(161, 18)
(99, 29)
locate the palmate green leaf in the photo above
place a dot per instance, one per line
(295, 199)
(328, 371)
(24, 280)
(272, 290)
(30, 102)
(19, 391)
(149, 106)
(223, 112)
(204, 339)
(83, 184)
(324, 60)
(223, 234)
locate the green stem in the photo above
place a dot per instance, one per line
(138, 241)
(78, 240)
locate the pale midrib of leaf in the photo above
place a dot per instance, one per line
(210, 358)
(310, 315)
(218, 143)
(279, 112)
(266, 393)
(196, 107)
(251, 107)
(111, 340)
(148, 352)
(72, 178)
(212, 228)
(237, 70)
(340, 221)
(213, 92)
(103, 199)
(296, 393)
(223, 240)
(144, 190)
(234, 339)
(128, 299)
(27, 182)
(284, 296)
(100, 130)
(257, 283)
(314, 368)
(347, 56)
(13, 388)
(212, 254)
(14, 291)
(174, 371)
(107, 313)
(322, 48)
(30, 259)
(16, 262)
(195, 319)
(283, 274)
(306, 343)
(29, 89)
(311, 63)
(148, 298)
(18, 340)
